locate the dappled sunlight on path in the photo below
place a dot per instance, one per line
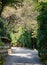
(22, 56)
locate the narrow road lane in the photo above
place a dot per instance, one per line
(22, 56)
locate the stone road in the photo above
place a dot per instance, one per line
(22, 56)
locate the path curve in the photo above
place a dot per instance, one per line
(22, 56)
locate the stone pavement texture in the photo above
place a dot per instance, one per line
(22, 56)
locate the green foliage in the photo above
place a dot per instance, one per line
(42, 30)
(21, 38)
(42, 0)
(2, 28)
(3, 31)
(25, 38)
(23, 35)
(19, 35)
(1, 43)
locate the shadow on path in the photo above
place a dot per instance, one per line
(22, 56)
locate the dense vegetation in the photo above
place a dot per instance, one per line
(25, 33)
(24, 25)
(42, 30)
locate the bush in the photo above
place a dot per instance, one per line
(42, 30)
(21, 38)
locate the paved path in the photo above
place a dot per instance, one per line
(22, 56)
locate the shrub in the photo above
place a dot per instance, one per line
(42, 30)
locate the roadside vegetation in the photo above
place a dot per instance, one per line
(24, 23)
